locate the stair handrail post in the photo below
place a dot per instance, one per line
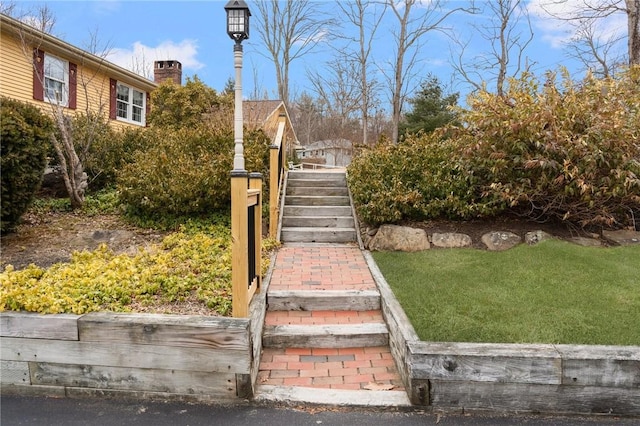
(255, 184)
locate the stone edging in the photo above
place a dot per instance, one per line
(576, 379)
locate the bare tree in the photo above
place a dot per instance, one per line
(289, 30)
(414, 20)
(366, 16)
(508, 43)
(589, 46)
(595, 52)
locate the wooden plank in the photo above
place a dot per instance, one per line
(325, 336)
(144, 396)
(615, 366)
(32, 390)
(322, 300)
(534, 398)
(125, 355)
(39, 326)
(14, 372)
(137, 379)
(165, 330)
(400, 329)
(258, 312)
(541, 368)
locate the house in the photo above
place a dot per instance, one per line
(332, 153)
(265, 115)
(43, 70)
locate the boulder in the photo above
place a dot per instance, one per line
(450, 240)
(534, 237)
(623, 237)
(500, 240)
(585, 241)
(399, 238)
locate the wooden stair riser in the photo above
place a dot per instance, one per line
(318, 235)
(324, 300)
(325, 336)
(319, 183)
(322, 191)
(316, 175)
(318, 222)
(322, 211)
(298, 200)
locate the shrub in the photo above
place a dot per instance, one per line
(186, 171)
(108, 151)
(568, 152)
(420, 178)
(24, 139)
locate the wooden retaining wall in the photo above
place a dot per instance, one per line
(191, 358)
(574, 379)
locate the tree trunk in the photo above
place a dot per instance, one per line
(633, 20)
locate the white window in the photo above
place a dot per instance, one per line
(130, 104)
(56, 80)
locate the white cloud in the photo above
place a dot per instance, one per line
(550, 17)
(139, 57)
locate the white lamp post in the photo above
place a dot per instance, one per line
(238, 29)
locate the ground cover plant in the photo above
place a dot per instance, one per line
(553, 292)
(189, 270)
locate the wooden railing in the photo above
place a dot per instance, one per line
(246, 234)
(277, 164)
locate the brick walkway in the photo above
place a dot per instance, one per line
(325, 267)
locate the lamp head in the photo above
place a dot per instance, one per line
(237, 20)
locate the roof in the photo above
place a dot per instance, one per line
(259, 112)
(61, 48)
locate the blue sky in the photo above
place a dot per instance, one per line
(193, 32)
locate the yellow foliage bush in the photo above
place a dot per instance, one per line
(187, 265)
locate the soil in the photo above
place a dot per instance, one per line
(45, 239)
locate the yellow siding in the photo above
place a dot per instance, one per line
(16, 72)
(16, 81)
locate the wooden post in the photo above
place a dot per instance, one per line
(255, 183)
(239, 241)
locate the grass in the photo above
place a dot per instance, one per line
(553, 292)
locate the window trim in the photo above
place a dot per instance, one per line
(115, 101)
(39, 80)
(64, 101)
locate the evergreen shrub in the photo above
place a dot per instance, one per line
(24, 141)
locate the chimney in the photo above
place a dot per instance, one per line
(167, 70)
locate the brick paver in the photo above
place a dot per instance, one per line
(329, 368)
(325, 267)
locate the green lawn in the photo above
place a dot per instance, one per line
(553, 292)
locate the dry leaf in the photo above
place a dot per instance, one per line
(378, 386)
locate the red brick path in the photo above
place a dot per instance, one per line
(325, 267)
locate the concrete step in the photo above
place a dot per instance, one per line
(317, 211)
(324, 300)
(325, 336)
(318, 235)
(313, 200)
(318, 221)
(322, 191)
(331, 397)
